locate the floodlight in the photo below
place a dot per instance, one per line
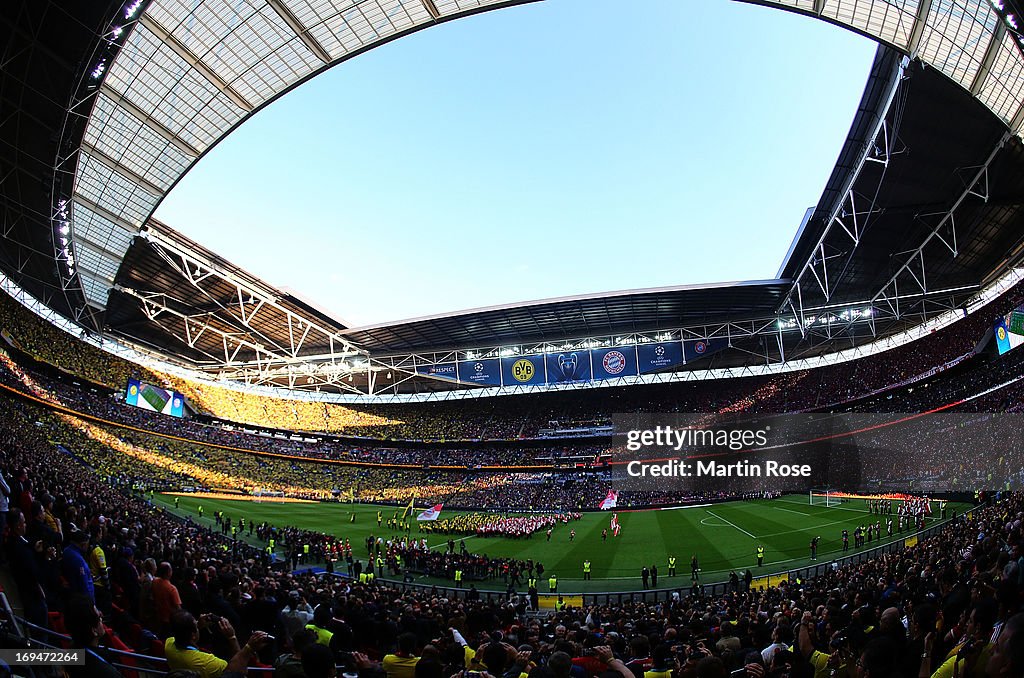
(130, 10)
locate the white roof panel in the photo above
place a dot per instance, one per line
(190, 71)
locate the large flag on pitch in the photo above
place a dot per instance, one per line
(408, 509)
(430, 513)
(609, 502)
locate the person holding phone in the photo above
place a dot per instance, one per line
(182, 653)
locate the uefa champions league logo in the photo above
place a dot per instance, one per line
(659, 351)
(568, 365)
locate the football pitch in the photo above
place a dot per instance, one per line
(724, 537)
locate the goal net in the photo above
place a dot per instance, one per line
(824, 496)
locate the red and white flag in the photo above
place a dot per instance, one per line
(610, 502)
(615, 525)
(430, 513)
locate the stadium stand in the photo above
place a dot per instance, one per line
(969, 576)
(507, 418)
(136, 448)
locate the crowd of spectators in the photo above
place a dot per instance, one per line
(136, 457)
(110, 407)
(114, 571)
(968, 378)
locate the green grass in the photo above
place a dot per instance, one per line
(724, 537)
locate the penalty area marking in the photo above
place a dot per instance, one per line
(680, 508)
(827, 508)
(810, 527)
(799, 513)
(703, 521)
(733, 525)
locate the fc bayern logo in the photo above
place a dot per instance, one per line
(614, 362)
(700, 347)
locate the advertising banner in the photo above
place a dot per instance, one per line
(609, 363)
(568, 367)
(522, 370)
(658, 357)
(482, 372)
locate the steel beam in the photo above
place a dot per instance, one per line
(917, 255)
(195, 62)
(150, 122)
(301, 31)
(250, 298)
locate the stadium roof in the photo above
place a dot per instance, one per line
(112, 103)
(550, 320)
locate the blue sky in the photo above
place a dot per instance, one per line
(559, 148)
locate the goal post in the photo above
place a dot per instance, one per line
(823, 496)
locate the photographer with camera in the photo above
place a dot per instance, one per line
(844, 645)
(182, 652)
(970, 656)
(296, 614)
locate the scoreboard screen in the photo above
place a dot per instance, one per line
(153, 398)
(1009, 330)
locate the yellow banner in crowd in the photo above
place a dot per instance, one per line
(771, 580)
(547, 601)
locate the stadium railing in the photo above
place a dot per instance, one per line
(29, 635)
